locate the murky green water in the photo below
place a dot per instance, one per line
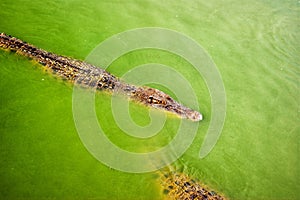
(255, 45)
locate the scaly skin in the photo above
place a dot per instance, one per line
(177, 185)
(82, 73)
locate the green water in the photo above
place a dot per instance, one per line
(255, 45)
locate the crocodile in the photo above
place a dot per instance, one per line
(178, 185)
(88, 75)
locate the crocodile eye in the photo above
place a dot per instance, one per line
(150, 99)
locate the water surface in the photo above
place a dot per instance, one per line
(255, 45)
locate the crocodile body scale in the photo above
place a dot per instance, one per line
(85, 74)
